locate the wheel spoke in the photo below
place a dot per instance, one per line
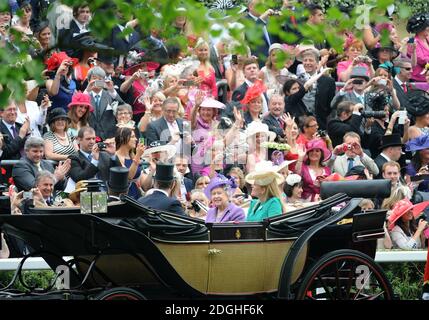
(351, 277)
(337, 280)
(325, 287)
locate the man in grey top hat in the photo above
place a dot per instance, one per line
(353, 89)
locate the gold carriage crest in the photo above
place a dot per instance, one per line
(238, 234)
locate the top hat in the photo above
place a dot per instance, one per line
(391, 140)
(359, 72)
(118, 179)
(164, 172)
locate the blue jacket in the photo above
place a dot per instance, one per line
(159, 201)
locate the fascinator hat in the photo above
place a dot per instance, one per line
(254, 92)
(418, 23)
(418, 102)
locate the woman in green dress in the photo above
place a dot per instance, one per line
(265, 187)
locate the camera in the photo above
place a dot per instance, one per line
(357, 81)
(196, 206)
(234, 59)
(144, 74)
(321, 133)
(101, 146)
(27, 195)
(374, 114)
(347, 147)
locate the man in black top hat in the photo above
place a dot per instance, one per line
(391, 150)
(160, 197)
(118, 183)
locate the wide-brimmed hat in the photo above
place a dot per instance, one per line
(81, 186)
(318, 144)
(355, 172)
(106, 58)
(306, 48)
(391, 140)
(418, 22)
(278, 160)
(118, 180)
(264, 174)
(57, 113)
(402, 207)
(275, 46)
(219, 181)
(209, 102)
(137, 60)
(81, 99)
(55, 60)
(86, 42)
(419, 143)
(254, 91)
(418, 102)
(160, 146)
(359, 72)
(395, 52)
(258, 127)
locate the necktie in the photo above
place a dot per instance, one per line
(350, 166)
(361, 100)
(404, 87)
(39, 168)
(280, 123)
(14, 132)
(49, 201)
(97, 101)
(89, 157)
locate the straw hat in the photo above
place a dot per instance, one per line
(264, 174)
(80, 187)
(402, 207)
(304, 48)
(258, 127)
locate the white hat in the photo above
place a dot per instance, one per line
(209, 102)
(160, 146)
(258, 127)
(276, 46)
(264, 174)
(284, 164)
(293, 179)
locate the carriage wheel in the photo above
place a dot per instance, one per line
(345, 275)
(120, 293)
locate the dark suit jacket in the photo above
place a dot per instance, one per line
(189, 185)
(158, 130)
(379, 161)
(11, 146)
(83, 169)
(102, 120)
(295, 106)
(402, 96)
(240, 92)
(325, 92)
(274, 125)
(65, 38)
(337, 128)
(24, 174)
(258, 50)
(121, 44)
(159, 201)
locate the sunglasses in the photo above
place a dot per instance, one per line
(408, 69)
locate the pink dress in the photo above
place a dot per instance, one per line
(203, 143)
(422, 53)
(308, 186)
(209, 83)
(138, 90)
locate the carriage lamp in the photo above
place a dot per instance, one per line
(93, 200)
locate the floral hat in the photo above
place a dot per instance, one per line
(219, 181)
(419, 143)
(55, 60)
(254, 91)
(135, 61)
(402, 207)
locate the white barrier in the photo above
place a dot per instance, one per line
(37, 263)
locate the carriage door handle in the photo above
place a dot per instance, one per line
(214, 251)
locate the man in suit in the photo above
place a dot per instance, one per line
(103, 95)
(319, 96)
(217, 54)
(273, 119)
(160, 197)
(90, 162)
(182, 165)
(354, 88)
(260, 20)
(401, 82)
(169, 127)
(353, 156)
(25, 171)
(348, 119)
(251, 72)
(79, 24)
(391, 150)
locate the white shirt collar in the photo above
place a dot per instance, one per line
(398, 81)
(385, 157)
(82, 27)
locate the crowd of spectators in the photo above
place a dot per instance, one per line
(251, 135)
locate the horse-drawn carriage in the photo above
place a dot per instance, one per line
(133, 252)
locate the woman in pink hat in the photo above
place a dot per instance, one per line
(310, 166)
(406, 234)
(79, 110)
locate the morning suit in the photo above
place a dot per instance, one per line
(379, 161)
(258, 50)
(159, 201)
(11, 146)
(341, 164)
(83, 169)
(158, 130)
(325, 92)
(102, 119)
(401, 94)
(274, 125)
(25, 171)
